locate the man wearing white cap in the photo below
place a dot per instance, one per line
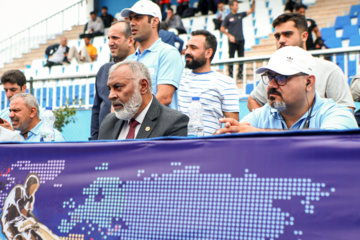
(291, 30)
(163, 61)
(292, 101)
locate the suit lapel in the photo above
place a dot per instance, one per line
(117, 128)
(149, 122)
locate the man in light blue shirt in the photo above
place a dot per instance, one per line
(24, 115)
(163, 61)
(292, 101)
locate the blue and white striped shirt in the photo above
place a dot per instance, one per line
(217, 92)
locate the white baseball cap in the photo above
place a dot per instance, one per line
(289, 61)
(143, 7)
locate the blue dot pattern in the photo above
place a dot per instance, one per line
(47, 171)
(187, 204)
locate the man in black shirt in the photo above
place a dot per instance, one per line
(233, 24)
(312, 28)
(107, 18)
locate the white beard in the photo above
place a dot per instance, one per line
(131, 107)
(278, 105)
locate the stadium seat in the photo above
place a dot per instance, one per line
(354, 11)
(349, 31)
(354, 41)
(43, 73)
(328, 32)
(38, 63)
(56, 71)
(333, 42)
(342, 21)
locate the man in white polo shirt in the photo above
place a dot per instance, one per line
(218, 93)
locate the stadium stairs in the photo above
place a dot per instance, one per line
(39, 53)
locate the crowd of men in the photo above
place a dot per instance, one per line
(145, 92)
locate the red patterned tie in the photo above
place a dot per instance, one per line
(133, 124)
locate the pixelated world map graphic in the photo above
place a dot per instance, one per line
(183, 204)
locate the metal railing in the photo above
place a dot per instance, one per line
(31, 37)
(342, 56)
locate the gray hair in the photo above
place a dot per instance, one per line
(30, 101)
(127, 30)
(139, 70)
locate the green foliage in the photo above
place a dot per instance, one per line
(65, 115)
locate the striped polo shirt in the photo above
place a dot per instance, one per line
(217, 92)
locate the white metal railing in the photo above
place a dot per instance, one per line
(31, 37)
(350, 55)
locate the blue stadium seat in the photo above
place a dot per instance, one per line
(58, 92)
(342, 21)
(354, 11)
(328, 32)
(354, 41)
(44, 97)
(349, 31)
(92, 93)
(333, 42)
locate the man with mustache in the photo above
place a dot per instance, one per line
(121, 45)
(293, 103)
(291, 30)
(163, 61)
(138, 114)
(218, 93)
(24, 115)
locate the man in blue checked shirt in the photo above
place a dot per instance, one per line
(163, 61)
(218, 93)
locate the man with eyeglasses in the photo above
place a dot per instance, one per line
(293, 103)
(331, 82)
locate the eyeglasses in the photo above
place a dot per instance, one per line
(280, 80)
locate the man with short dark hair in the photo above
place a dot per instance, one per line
(312, 28)
(94, 27)
(174, 21)
(293, 103)
(291, 30)
(121, 44)
(13, 81)
(138, 114)
(218, 93)
(163, 61)
(106, 17)
(233, 23)
(25, 117)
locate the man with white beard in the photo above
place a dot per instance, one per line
(138, 114)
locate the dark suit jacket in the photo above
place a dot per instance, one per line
(162, 121)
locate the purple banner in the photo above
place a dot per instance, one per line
(280, 186)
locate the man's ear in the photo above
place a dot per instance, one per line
(143, 86)
(33, 112)
(310, 83)
(208, 53)
(304, 36)
(155, 22)
(23, 88)
(131, 41)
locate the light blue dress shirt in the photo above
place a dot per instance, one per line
(326, 114)
(165, 66)
(35, 136)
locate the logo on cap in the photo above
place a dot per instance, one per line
(289, 59)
